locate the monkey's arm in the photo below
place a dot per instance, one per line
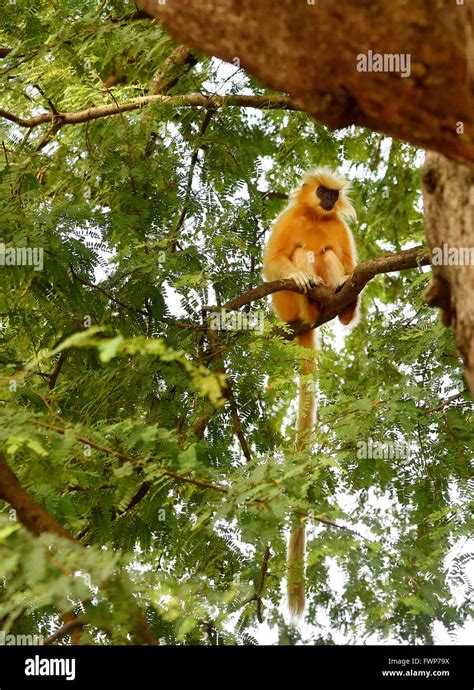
(281, 245)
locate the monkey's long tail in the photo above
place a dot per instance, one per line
(304, 428)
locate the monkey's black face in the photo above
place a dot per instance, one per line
(328, 197)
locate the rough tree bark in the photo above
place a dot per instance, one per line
(310, 50)
(448, 193)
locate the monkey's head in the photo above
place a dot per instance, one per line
(326, 193)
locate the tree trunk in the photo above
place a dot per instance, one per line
(448, 193)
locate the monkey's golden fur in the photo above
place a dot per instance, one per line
(310, 242)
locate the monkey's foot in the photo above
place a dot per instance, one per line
(342, 282)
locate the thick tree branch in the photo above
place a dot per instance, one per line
(448, 202)
(333, 303)
(35, 518)
(28, 511)
(315, 52)
(195, 100)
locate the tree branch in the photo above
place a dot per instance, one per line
(35, 518)
(332, 85)
(332, 303)
(127, 458)
(257, 594)
(56, 371)
(195, 100)
(187, 325)
(201, 483)
(204, 484)
(261, 584)
(189, 182)
(110, 297)
(234, 412)
(180, 61)
(66, 629)
(30, 513)
(443, 404)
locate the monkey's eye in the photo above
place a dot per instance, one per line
(326, 191)
(328, 196)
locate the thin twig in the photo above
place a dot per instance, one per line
(228, 393)
(201, 483)
(55, 373)
(443, 404)
(189, 181)
(66, 629)
(110, 297)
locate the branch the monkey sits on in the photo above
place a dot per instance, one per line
(310, 242)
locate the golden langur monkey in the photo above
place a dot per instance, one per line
(310, 242)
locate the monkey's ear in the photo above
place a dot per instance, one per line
(305, 184)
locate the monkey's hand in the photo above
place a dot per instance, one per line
(342, 282)
(305, 281)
